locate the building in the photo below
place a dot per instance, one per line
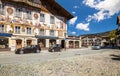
(73, 42)
(101, 39)
(26, 22)
(118, 32)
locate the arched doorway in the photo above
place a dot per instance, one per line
(18, 43)
(28, 42)
(63, 43)
(71, 44)
(52, 42)
(76, 44)
(41, 42)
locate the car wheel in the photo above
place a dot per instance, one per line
(21, 52)
(37, 51)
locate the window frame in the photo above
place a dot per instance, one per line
(42, 32)
(42, 17)
(28, 30)
(17, 29)
(52, 20)
(52, 33)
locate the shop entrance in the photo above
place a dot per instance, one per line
(4, 43)
(52, 42)
(71, 44)
(29, 42)
(76, 44)
(41, 42)
(18, 43)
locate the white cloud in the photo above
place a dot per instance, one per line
(75, 6)
(73, 33)
(106, 8)
(73, 20)
(73, 12)
(83, 26)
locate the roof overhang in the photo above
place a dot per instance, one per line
(55, 7)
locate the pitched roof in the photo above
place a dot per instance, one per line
(53, 7)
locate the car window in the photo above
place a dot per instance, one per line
(28, 46)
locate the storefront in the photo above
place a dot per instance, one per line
(4, 41)
(21, 41)
(46, 41)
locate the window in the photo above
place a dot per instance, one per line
(1, 28)
(2, 9)
(28, 15)
(17, 29)
(42, 17)
(18, 12)
(28, 30)
(52, 20)
(41, 32)
(51, 32)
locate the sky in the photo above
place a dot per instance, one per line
(91, 16)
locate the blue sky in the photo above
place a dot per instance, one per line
(91, 16)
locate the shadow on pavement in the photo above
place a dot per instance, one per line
(115, 57)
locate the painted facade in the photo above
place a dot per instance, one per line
(91, 40)
(26, 22)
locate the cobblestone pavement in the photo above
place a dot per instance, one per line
(83, 62)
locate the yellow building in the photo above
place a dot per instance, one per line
(26, 22)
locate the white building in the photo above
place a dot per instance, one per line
(25, 22)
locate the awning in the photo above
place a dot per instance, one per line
(5, 34)
(46, 37)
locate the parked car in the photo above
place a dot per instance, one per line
(55, 48)
(96, 47)
(28, 49)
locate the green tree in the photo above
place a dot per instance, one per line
(112, 35)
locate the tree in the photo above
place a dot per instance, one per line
(112, 36)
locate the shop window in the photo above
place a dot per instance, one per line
(41, 32)
(51, 32)
(3, 43)
(2, 9)
(17, 29)
(28, 30)
(42, 17)
(52, 20)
